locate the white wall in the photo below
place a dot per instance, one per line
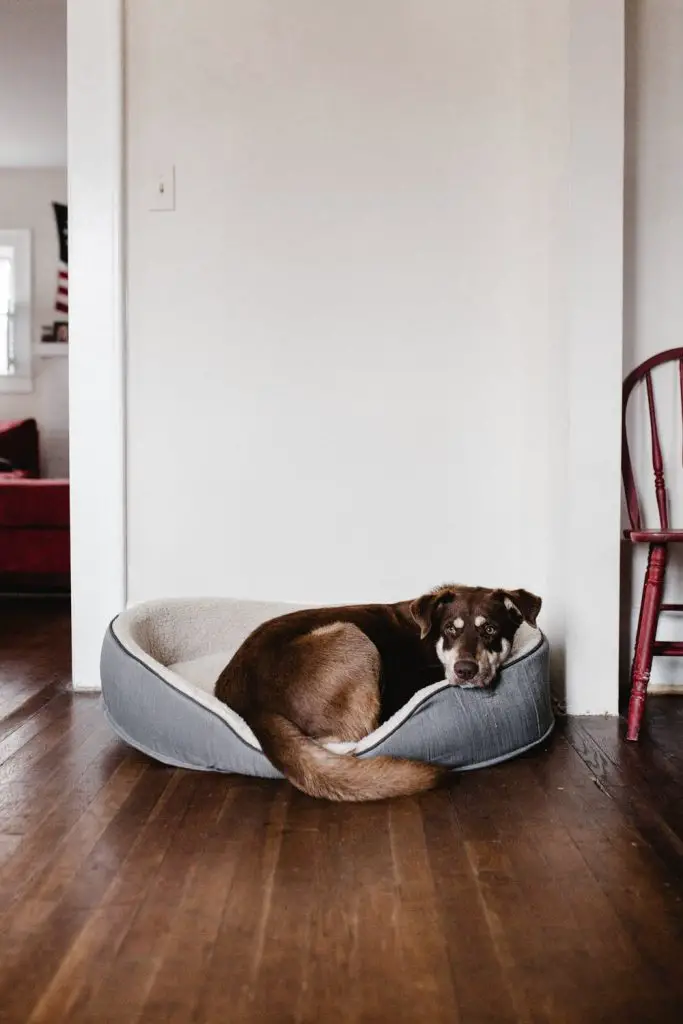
(33, 83)
(348, 375)
(654, 259)
(353, 360)
(26, 198)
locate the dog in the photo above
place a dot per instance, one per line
(331, 675)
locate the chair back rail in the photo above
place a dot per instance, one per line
(637, 376)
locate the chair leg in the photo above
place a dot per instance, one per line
(651, 601)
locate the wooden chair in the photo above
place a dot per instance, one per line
(647, 645)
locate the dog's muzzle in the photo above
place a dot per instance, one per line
(465, 670)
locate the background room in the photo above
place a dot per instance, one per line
(34, 302)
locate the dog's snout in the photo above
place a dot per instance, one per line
(465, 670)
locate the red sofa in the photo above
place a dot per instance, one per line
(34, 516)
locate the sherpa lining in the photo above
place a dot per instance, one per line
(188, 643)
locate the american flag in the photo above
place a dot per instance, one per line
(62, 299)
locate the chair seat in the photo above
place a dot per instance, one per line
(654, 536)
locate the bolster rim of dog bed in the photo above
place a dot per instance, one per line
(160, 659)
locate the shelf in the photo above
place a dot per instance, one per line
(50, 350)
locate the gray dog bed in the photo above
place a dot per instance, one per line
(161, 660)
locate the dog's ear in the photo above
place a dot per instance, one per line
(423, 609)
(522, 604)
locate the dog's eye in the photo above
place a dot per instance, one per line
(489, 629)
(451, 629)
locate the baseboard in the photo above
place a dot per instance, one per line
(665, 689)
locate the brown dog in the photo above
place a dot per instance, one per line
(332, 674)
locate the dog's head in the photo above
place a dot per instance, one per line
(473, 628)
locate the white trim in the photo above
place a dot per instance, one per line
(665, 689)
(587, 529)
(19, 242)
(15, 385)
(96, 327)
(50, 350)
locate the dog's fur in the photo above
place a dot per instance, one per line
(332, 674)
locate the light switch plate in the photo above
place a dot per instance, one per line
(162, 189)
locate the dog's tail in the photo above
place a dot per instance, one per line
(321, 773)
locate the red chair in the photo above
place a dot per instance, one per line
(647, 645)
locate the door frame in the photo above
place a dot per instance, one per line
(97, 357)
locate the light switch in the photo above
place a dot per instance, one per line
(162, 189)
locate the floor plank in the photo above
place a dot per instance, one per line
(548, 889)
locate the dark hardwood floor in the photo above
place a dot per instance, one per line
(547, 889)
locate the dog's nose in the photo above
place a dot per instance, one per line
(465, 670)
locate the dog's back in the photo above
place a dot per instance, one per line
(316, 676)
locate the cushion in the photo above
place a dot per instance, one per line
(19, 444)
(34, 503)
(161, 659)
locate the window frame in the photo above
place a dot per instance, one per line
(20, 379)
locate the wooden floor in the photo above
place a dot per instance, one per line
(547, 889)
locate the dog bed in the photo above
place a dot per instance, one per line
(161, 659)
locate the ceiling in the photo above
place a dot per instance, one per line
(32, 83)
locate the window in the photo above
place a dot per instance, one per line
(6, 299)
(15, 311)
